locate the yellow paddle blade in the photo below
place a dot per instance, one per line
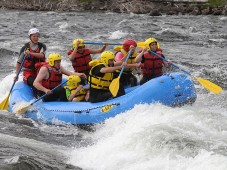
(210, 86)
(22, 110)
(4, 105)
(141, 44)
(118, 48)
(114, 86)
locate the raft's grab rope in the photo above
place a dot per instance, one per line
(80, 111)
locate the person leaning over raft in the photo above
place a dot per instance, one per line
(34, 52)
(74, 90)
(127, 78)
(151, 64)
(50, 76)
(101, 76)
(81, 56)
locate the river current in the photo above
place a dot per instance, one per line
(148, 137)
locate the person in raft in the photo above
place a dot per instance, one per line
(80, 56)
(74, 90)
(50, 76)
(101, 76)
(151, 64)
(34, 52)
(127, 78)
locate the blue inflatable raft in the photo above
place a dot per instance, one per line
(170, 89)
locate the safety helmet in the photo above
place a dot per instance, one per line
(33, 31)
(149, 41)
(75, 43)
(106, 56)
(53, 57)
(73, 80)
(127, 43)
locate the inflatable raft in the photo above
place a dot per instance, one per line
(170, 89)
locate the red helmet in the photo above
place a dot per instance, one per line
(127, 43)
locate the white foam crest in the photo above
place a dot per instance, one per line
(118, 35)
(154, 137)
(62, 26)
(6, 85)
(223, 18)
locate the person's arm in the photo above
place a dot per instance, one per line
(19, 61)
(139, 56)
(166, 64)
(43, 74)
(72, 96)
(68, 73)
(73, 54)
(136, 65)
(100, 50)
(37, 55)
(110, 69)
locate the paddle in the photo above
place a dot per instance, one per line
(22, 110)
(100, 43)
(205, 83)
(4, 105)
(114, 86)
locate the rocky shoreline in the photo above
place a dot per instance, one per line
(150, 7)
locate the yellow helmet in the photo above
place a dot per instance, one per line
(53, 57)
(106, 56)
(73, 80)
(151, 40)
(80, 45)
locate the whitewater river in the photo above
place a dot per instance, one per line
(148, 137)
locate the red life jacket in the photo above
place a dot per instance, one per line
(31, 60)
(152, 65)
(39, 65)
(55, 78)
(81, 62)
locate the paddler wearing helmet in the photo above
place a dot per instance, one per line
(80, 55)
(127, 78)
(101, 76)
(34, 52)
(50, 76)
(151, 64)
(74, 90)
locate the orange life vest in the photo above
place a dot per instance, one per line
(55, 78)
(152, 65)
(81, 62)
(30, 61)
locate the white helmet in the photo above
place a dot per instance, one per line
(33, 31)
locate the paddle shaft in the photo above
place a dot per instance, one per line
(126, 60)
(171, 63)
(21, 65)
(100, 43)
(46, 94)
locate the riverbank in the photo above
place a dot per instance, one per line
(153, 8)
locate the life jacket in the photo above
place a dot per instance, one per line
(80, 94)
(39, 65)
(80, 62)
(131, 60)
(152, 65)
(30, 61)
(97, 82)
(55, 78)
